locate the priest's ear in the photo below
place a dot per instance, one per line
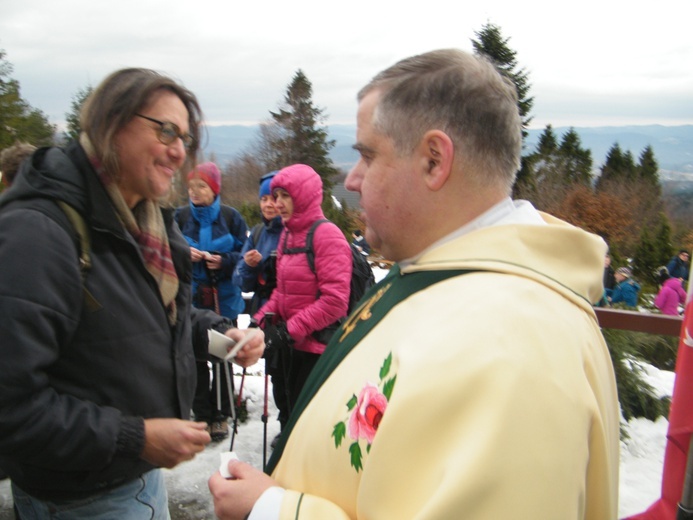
(438, 152)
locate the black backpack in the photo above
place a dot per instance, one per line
(362, 277)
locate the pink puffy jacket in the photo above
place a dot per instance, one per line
(308, 302)
(670, 295)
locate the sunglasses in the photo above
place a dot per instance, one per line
(168, 132)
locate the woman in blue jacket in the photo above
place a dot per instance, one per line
(256, 270)
(216, 234)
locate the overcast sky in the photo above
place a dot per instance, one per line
(590, 63)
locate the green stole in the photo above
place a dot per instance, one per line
(373, 307)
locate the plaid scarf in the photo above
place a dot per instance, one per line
(146, 225)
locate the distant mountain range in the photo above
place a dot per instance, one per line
(672, 145)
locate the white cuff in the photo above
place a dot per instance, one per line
(268, 505)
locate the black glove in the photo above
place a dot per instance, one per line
(277, 337)
(253, 324)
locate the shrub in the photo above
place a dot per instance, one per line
(636, 396)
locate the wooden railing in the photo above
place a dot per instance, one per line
(639, 321)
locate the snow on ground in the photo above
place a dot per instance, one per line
(189, 495)
(642, 454)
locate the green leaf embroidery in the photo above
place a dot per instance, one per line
(355, 451)
(385, 369)
(339, 433)
(388, 387)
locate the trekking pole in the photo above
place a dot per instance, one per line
(232, 405)
(265, 415)
(238, 407)
(212, 277)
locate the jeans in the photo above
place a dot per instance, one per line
(144, 498)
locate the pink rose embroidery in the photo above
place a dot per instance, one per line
(366, 416)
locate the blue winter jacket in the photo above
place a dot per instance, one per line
(677, 268)
(260, 279)
(207, 229)
(627, 292)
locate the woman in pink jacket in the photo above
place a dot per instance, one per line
(304, 302)
(670, 294)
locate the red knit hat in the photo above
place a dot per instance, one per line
(209, 173)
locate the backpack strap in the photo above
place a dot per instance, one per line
(227, 213)
(256, 232)
(80, 227)
(308, 248)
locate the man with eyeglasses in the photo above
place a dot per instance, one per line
(98, 370)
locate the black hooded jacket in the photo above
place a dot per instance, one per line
(77, 380)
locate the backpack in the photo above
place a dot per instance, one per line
(362, 277)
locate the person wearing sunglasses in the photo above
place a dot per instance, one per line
(98, 371)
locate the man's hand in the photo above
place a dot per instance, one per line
(235, 498)
(251, 351)
(168, 442)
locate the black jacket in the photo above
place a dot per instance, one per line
(76, 381)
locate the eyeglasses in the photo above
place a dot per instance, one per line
(168, 132)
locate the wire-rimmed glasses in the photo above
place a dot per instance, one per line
(168, 132)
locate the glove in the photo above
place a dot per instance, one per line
(253, 324)
(277, 337)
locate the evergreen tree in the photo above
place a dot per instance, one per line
(525, 186)
(576, 162)
(638, 186)
(648, 169)
(295, 134)
(613, 168)
(544, 161)
(645, 260)
(72, 117)
(491, 44)
(630, 171)
(548, 144)
(664, 247)
(555, 170)
(18, 120)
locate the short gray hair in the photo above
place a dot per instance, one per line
(464, 96)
